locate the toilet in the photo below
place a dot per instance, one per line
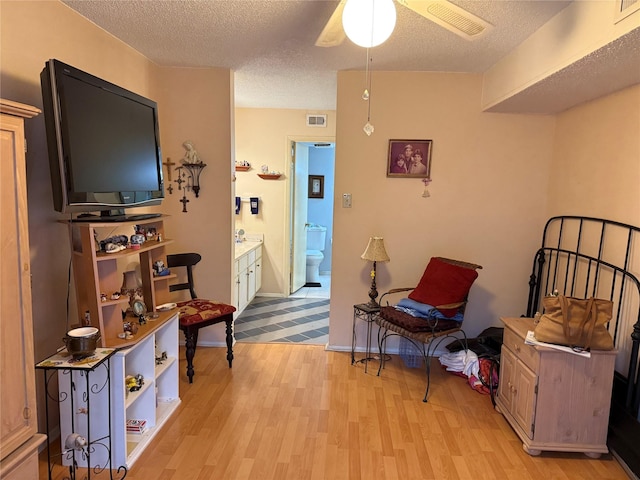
(316, 235)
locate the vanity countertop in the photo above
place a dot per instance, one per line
(245, 247)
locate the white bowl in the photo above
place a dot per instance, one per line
(83, 332)
(165, 307)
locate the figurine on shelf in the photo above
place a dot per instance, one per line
(134, 383)
(160, 358)
(191, 155)
(137, 240)
(114, 244)
(159, 269)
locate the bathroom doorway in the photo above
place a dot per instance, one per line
(311, 209)
(303, 316)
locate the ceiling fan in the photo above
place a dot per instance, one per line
(442, 12)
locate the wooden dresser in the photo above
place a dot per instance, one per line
(18, 438)
(554, 400)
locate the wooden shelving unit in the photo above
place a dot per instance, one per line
(97, 272)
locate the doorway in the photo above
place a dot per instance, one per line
(302, 316)
(311, 212)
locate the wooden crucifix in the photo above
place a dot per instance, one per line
(169, 164)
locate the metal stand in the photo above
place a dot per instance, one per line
(365, 312)
(79, 446)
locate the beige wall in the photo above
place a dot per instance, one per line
(263, 137)
(488, 196)
(194, 104)
(596, 159)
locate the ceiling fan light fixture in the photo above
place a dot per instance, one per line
(369, 23)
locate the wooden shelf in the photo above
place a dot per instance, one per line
(242, 168)
(268, 176)
(145, 247)
(143, 332)
(99, 272)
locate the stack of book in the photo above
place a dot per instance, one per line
(136, 426)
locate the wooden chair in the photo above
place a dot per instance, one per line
(198, 313)
(445, 285)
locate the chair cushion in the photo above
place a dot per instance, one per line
(198, 310)
(414, 324)
(443, 283)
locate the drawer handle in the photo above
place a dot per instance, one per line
(517, 348)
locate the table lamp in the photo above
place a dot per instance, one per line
(374, 252)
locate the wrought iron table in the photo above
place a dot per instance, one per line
(80, 443)
(365, 312)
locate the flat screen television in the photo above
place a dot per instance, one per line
(103, 143)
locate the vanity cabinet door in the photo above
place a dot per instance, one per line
(258, 269)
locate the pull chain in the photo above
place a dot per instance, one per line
(368, 128)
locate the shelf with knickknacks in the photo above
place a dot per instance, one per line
(269, 175)
(188, 173)
(243, 166)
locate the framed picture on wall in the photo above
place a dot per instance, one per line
(316, 186)
(409, 158)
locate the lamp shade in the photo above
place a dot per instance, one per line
(375, 251)
(129, 280)
(368, 23)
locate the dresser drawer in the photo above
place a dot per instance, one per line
(526, 353)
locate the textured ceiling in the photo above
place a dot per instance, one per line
(269, 44)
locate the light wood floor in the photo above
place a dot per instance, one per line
(299, 412)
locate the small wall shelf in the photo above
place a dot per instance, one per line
(242, 168)
(269, 176)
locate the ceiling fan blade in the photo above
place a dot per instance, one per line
(333, 34)
(450, 16)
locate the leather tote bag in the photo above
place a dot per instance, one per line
(575, 322)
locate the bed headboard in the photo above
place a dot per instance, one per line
(584, 257)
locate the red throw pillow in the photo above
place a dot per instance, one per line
(444, 283)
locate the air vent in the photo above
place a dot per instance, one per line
(455, 20)
(624, 8)
(316, 120)
(451, 17)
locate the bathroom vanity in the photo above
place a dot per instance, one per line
(247, 271)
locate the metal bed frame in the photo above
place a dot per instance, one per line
(583, 257)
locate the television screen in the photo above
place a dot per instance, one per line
(103, 140)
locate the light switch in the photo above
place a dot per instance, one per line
(346, 200)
